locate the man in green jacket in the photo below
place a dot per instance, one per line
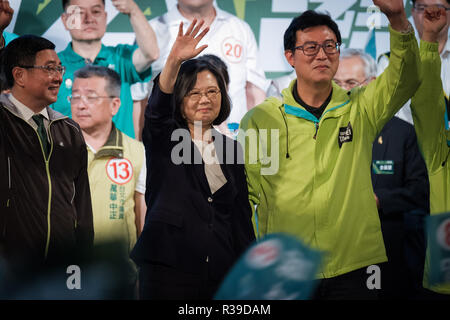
(309, 172)
(428, 110)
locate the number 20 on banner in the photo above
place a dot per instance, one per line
(120, 171)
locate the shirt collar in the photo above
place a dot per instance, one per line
(113, 146)
(220, 14)
(25, 112)
(73, 57)
(174, 16)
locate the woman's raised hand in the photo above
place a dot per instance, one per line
(184, 48)
(185, 45)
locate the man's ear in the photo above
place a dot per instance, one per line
(289, 57)
(19, 75)
(115, 105)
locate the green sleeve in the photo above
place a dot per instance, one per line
(248, 132)
(384, 96)
(428, 108)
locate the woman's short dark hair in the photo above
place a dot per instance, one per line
(187, 77)
(219, 63)
(308, 19)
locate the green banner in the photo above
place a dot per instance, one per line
(267, 18)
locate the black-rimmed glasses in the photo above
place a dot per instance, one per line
(312, 48)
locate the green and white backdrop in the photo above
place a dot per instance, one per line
(267, 18)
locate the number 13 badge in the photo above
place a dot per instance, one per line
(119, 170)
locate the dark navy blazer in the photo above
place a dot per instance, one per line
(407, 188)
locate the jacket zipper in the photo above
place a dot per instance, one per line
(316, 124)
(9, 175)
(9, 183)
(47, 169)
(9, 194)
(71, 201)
(48, 207)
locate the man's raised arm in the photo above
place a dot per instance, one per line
(148, 50)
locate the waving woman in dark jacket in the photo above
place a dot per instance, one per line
(198, 220)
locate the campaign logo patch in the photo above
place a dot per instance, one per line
(345, 134)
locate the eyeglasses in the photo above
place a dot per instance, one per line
(349, 84)
(312, 48)
(422, 7)
(88, 100)
(196, 95)
(51, 70)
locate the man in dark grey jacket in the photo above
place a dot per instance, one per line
(45, 203)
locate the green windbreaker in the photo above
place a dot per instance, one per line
(428, 110)
(311, 178)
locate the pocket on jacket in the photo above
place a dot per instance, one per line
(166, 217)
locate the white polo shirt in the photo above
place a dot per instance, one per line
(229, 38)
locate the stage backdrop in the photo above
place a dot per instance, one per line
(268, 19)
